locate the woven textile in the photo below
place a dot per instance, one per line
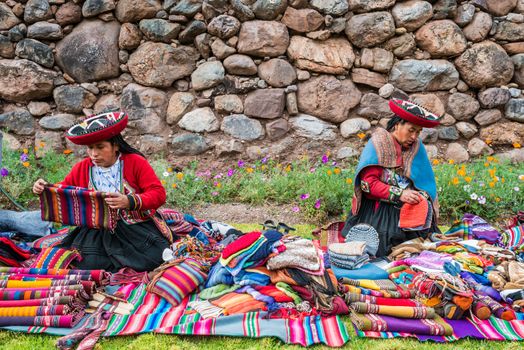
(513, 238)
(76, 206)
(99, 276)
(396, 311)
(55, 258)
(381, 323)
(51, 240)
(364, 233)
(178, 281)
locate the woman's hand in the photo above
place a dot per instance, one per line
(117, 201)
(38, 186)
(410, 196)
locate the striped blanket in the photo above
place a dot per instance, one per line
(76, 206)
(153, 314)
(490, 329)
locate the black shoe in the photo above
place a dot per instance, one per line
(269, 225)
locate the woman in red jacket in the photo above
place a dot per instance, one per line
(113, 166)
(394, 171)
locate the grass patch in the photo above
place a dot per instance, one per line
(316, 188)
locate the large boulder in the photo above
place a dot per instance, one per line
(93, 8)
(462, 106)
(328, 98)
(493, 97)
(135, 10)
(263, 38)
(19, 121)
(330, 7)
(333, 56)
(441, 38)
(90, 51)
(207, 75)
(485, 64)
(500, 7)
(423, 75)
(265, 103)
(412, 14)
(241, 127)
(370, 29)
(510, 31)
(179, 104)
(159, 64)
(37, 10)
(7, 18)
(478, 29)
(146, 108)
(200, 120)
(269, 9)
(240, 65)
(189, 144)
(73, 98)
(302, 20)
(502, 133)
(23, 80)
(35, 51)
(518, 77)
(159, 29)
(515, 110)
(224, 26)
(360, 6)
(313, 128)
(277, 72)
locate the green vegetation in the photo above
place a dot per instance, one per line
(317, 188)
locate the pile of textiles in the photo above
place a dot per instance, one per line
(46, 297)
(470, 275)
(349, 255)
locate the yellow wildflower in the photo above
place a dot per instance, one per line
(179, 176)
(67, 151)
(336, 171)
(26, 164)
(25, 150)
(436, 162)
(492, 184)
(163, 182)
(288, 168)
(451, 161)
(517, 145)
(42, 144)
(497, 199)
(455, 181)
(486, 164)
(468, 179)
(461, 172)
(329, 172)
(218, 185)
(249, 170)
(349, 181)
(490, 158)
(174, 185)
(503, 180)
(169, 170)
(361, 135)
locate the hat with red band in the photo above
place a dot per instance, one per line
(97, 128)
(414, 113)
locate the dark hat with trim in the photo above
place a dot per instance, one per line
(414, 113)
(97, 128)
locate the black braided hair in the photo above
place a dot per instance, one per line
(123, 146)
(394, 121)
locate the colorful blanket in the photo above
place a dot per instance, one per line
(490, 329)
(153, 314)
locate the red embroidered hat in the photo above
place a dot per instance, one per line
(97, 128)
(414, 113)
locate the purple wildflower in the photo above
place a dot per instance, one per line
(240, 163)
(317, 204)
(4, 172)
(23, 157)
(304, 196)
(230, 172)
(312, 170)
(325, 159)
(264, 160)
(215, 193)
(334, 163)
(295, 209)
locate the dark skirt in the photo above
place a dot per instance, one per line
(385, 220)
(138, 246)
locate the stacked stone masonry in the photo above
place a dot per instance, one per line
(250, 78)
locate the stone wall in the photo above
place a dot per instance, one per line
(248, 78)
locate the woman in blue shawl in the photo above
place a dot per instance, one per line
(394, 172)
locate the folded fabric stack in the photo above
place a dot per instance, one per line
(348, 255)
(46, 297)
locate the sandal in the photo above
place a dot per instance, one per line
(269, 225)
(286, 228)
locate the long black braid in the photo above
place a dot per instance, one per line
(123, 146)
